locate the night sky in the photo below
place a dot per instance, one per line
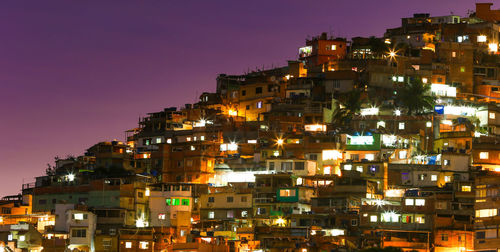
(73, 73)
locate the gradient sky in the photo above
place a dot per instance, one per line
(73, 73)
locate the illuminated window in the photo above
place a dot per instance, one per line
(244, 214)
(401, 126)
(143, 245)
(359, 168)
(462, 69)
(481, 213)
(446, 162)
(188, 139)
(402, 154)
(370, 157)
(409, 202)
(194, 138)
(334, 47)
(158, 140)
(211, 215)
(419, 202)
(327, 170)
(169, 141)
(347, 167)
(230, 214)
(9, 237)
(401, 78)
(447, 179)
(428, 124)
(331, 155)
(380, 124)
(466, 188)
(128, 244)
(202, 138)
(424, 80)
(420, 219)
(161, 216)
(185, 202)
(287, 193)
(193, 148)
(259, 104)
(481, 38)
(492, 115)
(483, 155)
(79, 216)
(373, 218)
(453, 54)
(22, 238)
(434, 177)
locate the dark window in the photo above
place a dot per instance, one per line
(258, 90)
(6, 210)
(79, 233)
(480, 235)
(243, 198)
(140, 194)
(54, 201)
(248, 107)
(243, 92)
(299, 166)
(211, 199)
(313, 157)
(271, 165)
(230, 199)
(269, 88)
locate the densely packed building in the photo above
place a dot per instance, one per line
(373, 142)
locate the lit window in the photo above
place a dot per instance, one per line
(194, 138)
(211, 215)
(287, 193)
(434, 177)
(394, 78)
(22, 238)
(331, 155)
(380, 124)
(143, 245)
(401, 78)
(347, 167)
(373, 218)
(428, 124)
(486, 212)
(128, 244)
(259, 104)
(244, 214)
(188, 139)
(158, 140)
(483, 155)
(230, 214)
(447, 179)
(492, 115)
(420, 219)
(78, 216)
(409, 202)
(402, 154)
(446, 162)
(481, 38)
(370, 157)
(401, 126)
(466, 188)
(193, 148)
(453, 54)
(359, 168)
(202, 138)
(419, 202)
(424, 80)
(161, 216)
(462, 69)
(9, 237)
(327, 170)
(169, 141)
(334, 47)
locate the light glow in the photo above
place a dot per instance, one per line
(315, 127)
(493, 47)
(359, 140)
(369, 111)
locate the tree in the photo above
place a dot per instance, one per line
(351, 105)
(415, 97)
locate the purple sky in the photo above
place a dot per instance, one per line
(73, 73)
